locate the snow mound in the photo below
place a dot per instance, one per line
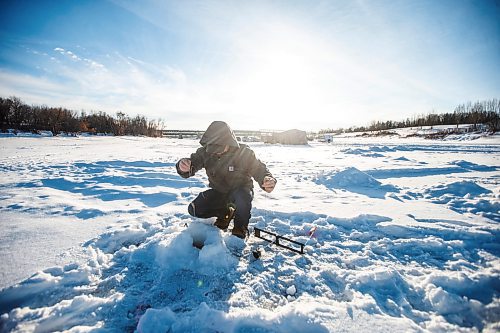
(347, 178)
(129, 270)
(374, 151)
(458, 189)
(290, 318)
(354, 180)
(466, 197)
(473, 166)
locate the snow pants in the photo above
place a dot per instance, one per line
(212, 203)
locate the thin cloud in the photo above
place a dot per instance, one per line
(74, 57)
(126, 84)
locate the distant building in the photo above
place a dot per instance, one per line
(290, 137)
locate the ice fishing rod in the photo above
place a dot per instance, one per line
(278, 240)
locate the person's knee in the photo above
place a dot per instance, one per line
(243, 199)
(192, 209)
(243, 194)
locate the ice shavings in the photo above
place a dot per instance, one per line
(164, 282)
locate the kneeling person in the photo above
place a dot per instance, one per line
(230, 167)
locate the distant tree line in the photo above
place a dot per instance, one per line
(14, 114)
(486, 112)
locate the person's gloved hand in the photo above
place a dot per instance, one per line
(185, 165)
(268, 184)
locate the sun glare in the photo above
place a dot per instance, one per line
(279, 78)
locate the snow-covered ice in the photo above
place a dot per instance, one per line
(95, 236)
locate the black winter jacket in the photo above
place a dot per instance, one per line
(228, 171)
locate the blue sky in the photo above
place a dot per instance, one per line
(255, 64)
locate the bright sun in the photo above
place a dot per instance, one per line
(278, 77)
(290, 78)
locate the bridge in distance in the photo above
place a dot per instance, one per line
(171, 133)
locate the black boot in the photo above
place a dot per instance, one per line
(240, 231)
(223, 221)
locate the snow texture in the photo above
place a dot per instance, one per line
(96, 237)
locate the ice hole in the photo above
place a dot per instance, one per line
(199, 237)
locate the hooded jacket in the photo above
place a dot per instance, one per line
(230, 170)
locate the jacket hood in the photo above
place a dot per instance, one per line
(219, 133)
